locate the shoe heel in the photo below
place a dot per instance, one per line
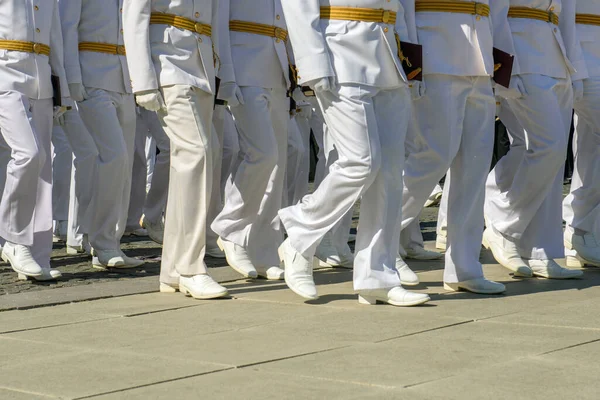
(367, 300)
(485, 243)
(568, 245)
(452, 287)
(164, 288)
(220, 245)
(183, 290)
(574, 262)
(22, 277)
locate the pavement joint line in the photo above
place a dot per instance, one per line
(141, 314)
(426, 330)
(10, 389)
(570, 347)
(412, 385)
(254, 364)
(320, 378)
(59, 325)
(583, 328)
(153, 383)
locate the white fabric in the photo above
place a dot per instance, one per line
(26, 202)
(187, 122)
(523, 195)
(295, 171)
(456, 135)
(161, 55)
(582, 206)
(62, 160)
(254, 191)
(249, 59)
(231, 145)
(322, 48)
(110, 119)
(588, 37)
(84, 176)
(215, 206)
(29, 73)
(318, 127)
(367, 126)
(99, 22)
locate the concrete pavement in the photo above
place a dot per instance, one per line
(539, 341)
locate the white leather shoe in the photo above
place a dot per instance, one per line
(237, 258)
(298, 271)
(327, 254)
(270, 273)
(155, 230)
(440, 242)
(576, 262)
(215, 252)
(21, 260)
(397, 296)
(48, 274)
(168, 287)
(586, 246)
(420, 253)
(407, 276)
(506, 253)
(434, 198)
(201, 287)
(479, 285)
(550, 269)
(59, 233)
(114, 259)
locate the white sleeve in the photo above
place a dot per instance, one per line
(310, 48)
(502, 34)
(57, 57)
(568, 30)
(136, 36)
(409, 17)
(226, 73)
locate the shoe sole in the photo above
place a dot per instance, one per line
(403, 283)
(455, 288)
(557, 277)
(7, 259)
(22, 277)
(236, 269)
(366, 300)
(188, 293)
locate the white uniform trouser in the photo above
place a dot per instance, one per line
(254, 191)
(62, 161)
(301, 187)
(110, 118)
(84, 176)
(26, 203)
(524, 190)
(411, 236)
(581, 207)
(187, 122)
(215, 205)
(318, 127)
(296, 150)
(368, 127)
(152, 203)
(231, 147)
(455, 121)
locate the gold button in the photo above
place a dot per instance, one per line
(121, 50)
(37, 30)
(386, 16)
(385, 29)
(277, 40)
(278, 18)
(200, 39)
(37, 49)
(478, 18)
(197, 14)
(552, 8)
(36, 8)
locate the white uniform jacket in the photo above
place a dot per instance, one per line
(28, 73)
(456, 44)
(162, 55)
(352, 51)
(98, 22)
(249, 59)
(539, 46)
(589, 36)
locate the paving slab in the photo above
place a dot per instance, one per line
(9, 394)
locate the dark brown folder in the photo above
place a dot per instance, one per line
(503, 65)
(56, 93)
(411, 56)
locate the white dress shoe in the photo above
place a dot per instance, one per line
(21, 260)
(59, 233)
(237, 258)
(270, 273)
(48, 274)
(215, 252)
(420, 253)
(506, 253)
(327, 254)
(435, 197)
(586, 246)
(155, 230)
(440, 242)
(407, 276)
(550, 269)
(397, 296)
(201, 287)
(298, 271)
(479, 285)
(114, 259)
(168, 287)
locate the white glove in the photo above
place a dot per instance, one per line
(323, 84)
(417, 89)
(516, 89)
(231, 93)
(77, 91)
(577, 90)
(151, 100)
(304, 111)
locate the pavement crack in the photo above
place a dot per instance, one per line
(426, 330)
(161, 310)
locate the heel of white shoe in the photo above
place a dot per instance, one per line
(22, 277)
(367, 300)
(574, 262)
(452, 287)
(220, 244)
(568, 245)
(165, 288)
(485, 243)
(5, 259)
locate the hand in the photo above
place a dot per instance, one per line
(577, 90)
(323, 84)
(151, 100)
(231, 93)
(304, 111)
(77, 91)
(417, 89)
(59, 115)
(516, 89)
